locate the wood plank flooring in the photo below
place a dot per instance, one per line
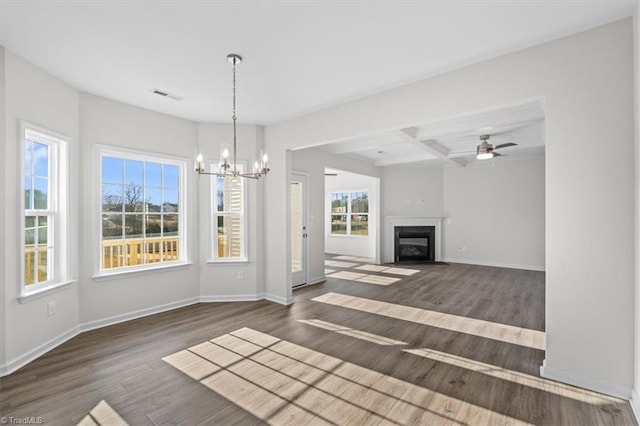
(419, 344)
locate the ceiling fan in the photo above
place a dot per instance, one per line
(485, 150)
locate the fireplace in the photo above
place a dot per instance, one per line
(435, 238)
(414, 243)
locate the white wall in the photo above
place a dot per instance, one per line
(219, 281)
(635, 402)
(3, 180)
(495, 214)
(306, 161)
(34, 96)
(413, 191)
(358, 245)
(112, 123)
(313, 161)
(587, 83)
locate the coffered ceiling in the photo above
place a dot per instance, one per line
(453, 141)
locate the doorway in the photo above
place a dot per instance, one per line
(299, 228)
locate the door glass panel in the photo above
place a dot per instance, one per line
(296, 226)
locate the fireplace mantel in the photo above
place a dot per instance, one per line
(391, 222)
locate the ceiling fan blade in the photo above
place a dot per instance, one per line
(331, 174)
(497, 154)
(504, 145)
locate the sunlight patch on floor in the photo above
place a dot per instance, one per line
(284, 383)
(102, 414)
(535, 382)
(364, 278)
(338, 264)
(358, 334)
(490, 330)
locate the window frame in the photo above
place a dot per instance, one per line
(102, 151)
(56, 211)
(348, 213)
(213, 215)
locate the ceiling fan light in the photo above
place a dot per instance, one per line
(484, 155)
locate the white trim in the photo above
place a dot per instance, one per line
(581, 381)
(152, 268)
(38, 351)
(496, 264)
(92, 325)
(393, 221)
(45, 291)
(100, 151)
(278, 299)
(56, 211)
(227, 261)
(635, 404)
(232, 298)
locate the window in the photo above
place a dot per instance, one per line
(43, 239)
(350, 213)
(229, 222)
(142, 211)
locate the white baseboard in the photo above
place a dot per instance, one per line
(92, 325)
(40, 350)
(232, 298)
(581, 381)
(278, 299)
(635, 404)
(37, 352)
(495, 264)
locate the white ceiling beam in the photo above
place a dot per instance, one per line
(403, 160)
(434, 132)
(408, 134)
(434, 148)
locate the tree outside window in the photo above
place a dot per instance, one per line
(140, 212)
(350, 213)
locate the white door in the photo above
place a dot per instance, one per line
(298, 229)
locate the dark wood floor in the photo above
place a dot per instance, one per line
(463, 377)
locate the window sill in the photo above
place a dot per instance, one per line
(114, 275)
(45, 291)
(228, 261)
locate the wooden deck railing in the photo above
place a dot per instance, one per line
(29, 259)
(115, 254)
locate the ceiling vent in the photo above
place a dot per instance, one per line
(167, 94)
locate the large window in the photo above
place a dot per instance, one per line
(44, 205)
(350, 213)
(142, 211)
(229, 222)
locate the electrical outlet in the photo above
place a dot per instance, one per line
(240, 275)
(51, 309)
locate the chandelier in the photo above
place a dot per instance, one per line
(225, 168)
